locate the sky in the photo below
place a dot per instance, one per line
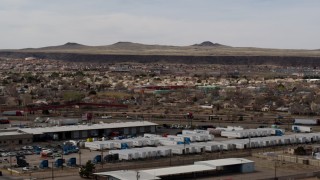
(286, 24)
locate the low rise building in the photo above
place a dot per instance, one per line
(90, 130)
(198, 169)
(14, 138)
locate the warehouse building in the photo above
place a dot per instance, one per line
(230, 165)
(14, 138)
(94, 130)
(198, 169)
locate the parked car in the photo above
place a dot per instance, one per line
(56, 155)
(26, 169)
(12, 153)
(180, 126)
(28, 152)
(173, 126)
(106, 117)
(27, 148)
(2, 150)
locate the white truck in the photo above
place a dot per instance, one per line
(303, 129)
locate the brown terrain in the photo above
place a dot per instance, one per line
(206, 52)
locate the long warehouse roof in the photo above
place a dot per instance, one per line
(54, 129)
(151, 174)
(224, 162)
(178, 170)
(156, 173)
(128, 175)
(11, 133)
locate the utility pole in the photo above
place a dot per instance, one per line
(102, 158)
(275, 170)
(10, 164)
(184, 145)
(250, 144)
(276, 165)
(79, 157)
(62, 157)
(52, 176)
(170, 157)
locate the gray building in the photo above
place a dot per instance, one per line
(209, 168)
(94, 130)
(14, 138)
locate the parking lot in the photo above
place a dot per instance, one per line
(34, 159)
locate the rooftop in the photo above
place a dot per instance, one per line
(11, 133)
(53, 129)
(178, 170)
(152, 174)
(224, 162)
(128, 175)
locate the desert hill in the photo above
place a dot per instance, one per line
(205, 52)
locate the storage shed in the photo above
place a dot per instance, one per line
(230, 165)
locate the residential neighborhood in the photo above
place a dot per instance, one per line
(155, 88)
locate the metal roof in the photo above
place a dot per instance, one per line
(11, 133)
(152, 174)
(224, 162)
(54, 129)
(178, 170)
(128, 175)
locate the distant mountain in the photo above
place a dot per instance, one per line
(123, 43)
(205, 53)
(127, 45)
(210, 44)
(204, 49)
(131, 45)
(72, 44)
(66, 46)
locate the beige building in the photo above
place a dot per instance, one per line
(14, 138)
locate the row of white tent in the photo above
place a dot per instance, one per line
(186, 137)
(269, 141)
(246, 133)
(214, 146)
(160, 151)
(121, 144)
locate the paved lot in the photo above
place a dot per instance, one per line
(34, 160)
(264, 168)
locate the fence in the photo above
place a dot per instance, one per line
(174, 161)
(296, 176)
(291, 159)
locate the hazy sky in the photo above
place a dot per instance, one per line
(243, 23)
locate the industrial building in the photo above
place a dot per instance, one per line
(93, 130)
(198, 169)
(14, 138)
